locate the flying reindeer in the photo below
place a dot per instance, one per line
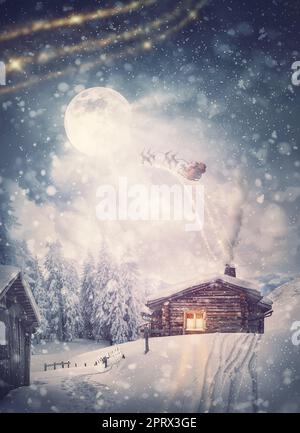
(173, 158)
(148, 157)
(170, 158)
(191, 170)
(152, 156)
(145, 157)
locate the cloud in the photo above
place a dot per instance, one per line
(163, 250)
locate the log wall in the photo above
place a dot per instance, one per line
(15, 355)
(227, 310)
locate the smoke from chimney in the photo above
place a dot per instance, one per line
(237, 215)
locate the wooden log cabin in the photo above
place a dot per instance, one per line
(19, 317)
(221, 304)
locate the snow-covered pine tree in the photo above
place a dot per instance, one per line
(87, 295)
(116, 311)
(63, 288)
(119, 306)
(36, 281)
(128, 286)
(72, 319)
(25, 261)
(54, 285)
(103, 274)
(33, 274)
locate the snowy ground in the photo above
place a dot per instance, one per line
(169, 378)
(199, 373)
(57, 352)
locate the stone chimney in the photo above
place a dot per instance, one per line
(230, 270)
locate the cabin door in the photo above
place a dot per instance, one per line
(15, 350)
(4, 354)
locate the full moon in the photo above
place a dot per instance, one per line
(97, 121)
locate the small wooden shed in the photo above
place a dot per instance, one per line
(221, 304)
(19, 317)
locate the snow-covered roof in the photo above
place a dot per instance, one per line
(267, 301)
(30, 296)
(145, 310)
(8, 275)
(174, 289)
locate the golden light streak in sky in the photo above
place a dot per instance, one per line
(72, 20)
(141, 47)
(18, 64)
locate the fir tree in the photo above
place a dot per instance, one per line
(87, 296)
(54, 285)
(117, 317)
(72, 319)
(116, 313)
(103, 274)
(128, 286)
(33, 275)
(63, 287)
(39, 292)
(27, 263)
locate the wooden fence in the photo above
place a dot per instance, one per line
(56, 365)
(113, 356)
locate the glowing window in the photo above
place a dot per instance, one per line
(190, 321)
(195, 321)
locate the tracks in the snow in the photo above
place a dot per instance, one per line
(230, 359)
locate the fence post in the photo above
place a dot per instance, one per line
(62, 364)
(45, 367)
(146, 336)
(68, 364)
(54, 366)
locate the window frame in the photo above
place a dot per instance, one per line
(195, 312)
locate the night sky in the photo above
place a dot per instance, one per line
(226, 76)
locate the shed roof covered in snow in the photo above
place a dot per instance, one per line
(12, 280)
